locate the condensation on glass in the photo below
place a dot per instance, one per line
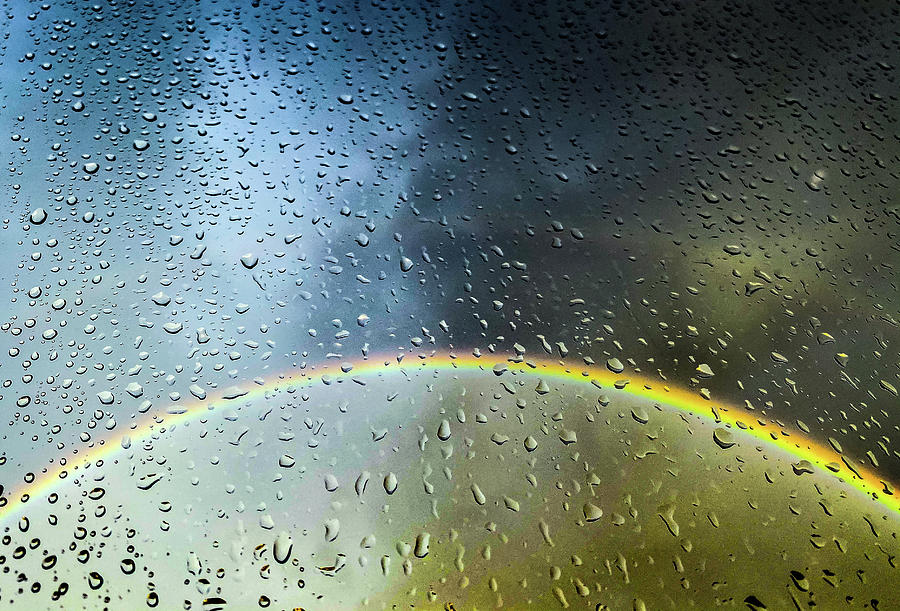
(382, 305)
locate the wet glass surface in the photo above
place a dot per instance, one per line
(449, 305)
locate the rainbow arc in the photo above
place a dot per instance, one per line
(742, 421)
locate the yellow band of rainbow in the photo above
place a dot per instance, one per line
(746, 421)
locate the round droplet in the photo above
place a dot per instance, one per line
(390, 483)
(95, 580)
(38, 216)
(640, 415)
(592, 513)
(615, 365)
(282, 547)
(723, 438)
(444, 430)
(172, 327)
(421, 547)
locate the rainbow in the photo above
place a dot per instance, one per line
(744, 421)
